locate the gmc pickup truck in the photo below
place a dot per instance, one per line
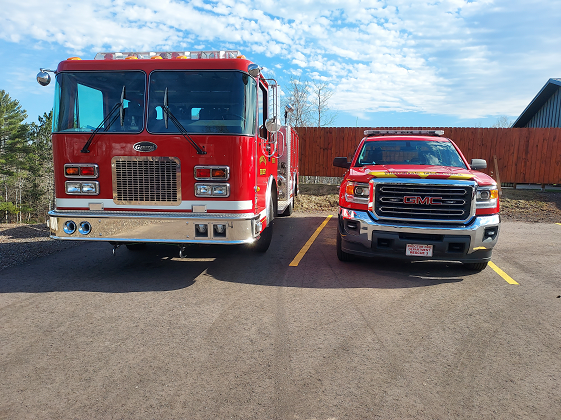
(413, 195)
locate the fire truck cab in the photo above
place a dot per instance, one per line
(169, 147)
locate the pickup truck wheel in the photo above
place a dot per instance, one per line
(476, 266)
(342, 255)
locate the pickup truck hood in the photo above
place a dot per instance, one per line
(365, 173)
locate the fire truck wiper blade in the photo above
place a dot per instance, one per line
(182, 130)
(117, 106)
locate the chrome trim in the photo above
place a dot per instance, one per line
(211, 167)
(155, 227)
(94, 183)
(147, 182)
(475, 230)
(405, 182)
(81, 165)
(212, 185)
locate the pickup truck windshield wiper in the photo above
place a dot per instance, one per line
(179, 126)
(110, 116)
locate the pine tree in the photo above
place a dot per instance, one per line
(13, 151)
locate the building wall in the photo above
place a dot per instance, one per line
(550, 113)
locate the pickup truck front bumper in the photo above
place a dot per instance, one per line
(361, 235)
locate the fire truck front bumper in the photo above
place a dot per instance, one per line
(359, 234)
(121, 227)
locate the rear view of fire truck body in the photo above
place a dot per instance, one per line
(171, 148)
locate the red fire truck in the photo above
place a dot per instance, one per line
(169, 147)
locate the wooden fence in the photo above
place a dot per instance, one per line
(523, 155)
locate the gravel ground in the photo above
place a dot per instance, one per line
(20, 242)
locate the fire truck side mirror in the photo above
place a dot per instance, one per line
(43, 78)
(254, 70)
(273, 124)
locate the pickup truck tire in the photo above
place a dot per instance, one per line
(476, 266)
(342, 255)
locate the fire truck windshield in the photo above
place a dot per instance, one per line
(84, 100)
(406, 152)
(202, 101)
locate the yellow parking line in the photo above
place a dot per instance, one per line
(501, 273)
(558, 224)
(308, 244)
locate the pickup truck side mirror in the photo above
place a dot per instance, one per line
(478, 164)
(341, 162)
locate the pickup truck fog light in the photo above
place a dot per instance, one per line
(220, 228)
(69, 227)
(201, 228)
(490, 233)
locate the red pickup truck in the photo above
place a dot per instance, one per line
(413, 195)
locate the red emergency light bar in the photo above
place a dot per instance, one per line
(147, 55)
(370, 133)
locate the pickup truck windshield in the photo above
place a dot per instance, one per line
(406, 152)
(213, 102)
(83, 100)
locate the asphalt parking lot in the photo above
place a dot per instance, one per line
(291, 334)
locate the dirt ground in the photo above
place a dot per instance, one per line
(522, 205)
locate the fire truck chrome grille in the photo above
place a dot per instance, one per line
(146, 180)
(423, 202)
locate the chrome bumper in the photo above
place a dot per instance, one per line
(154, 227)
(364, 238)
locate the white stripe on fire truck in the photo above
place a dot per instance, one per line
(108, 204)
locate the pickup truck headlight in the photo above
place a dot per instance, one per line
(487, 198)
(357, 192)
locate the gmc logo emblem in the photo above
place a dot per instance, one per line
(415, 199)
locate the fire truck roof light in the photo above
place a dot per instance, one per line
(146, 55)
(370, 133)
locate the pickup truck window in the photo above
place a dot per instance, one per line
(406, 152)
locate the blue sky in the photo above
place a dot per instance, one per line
(388, 63)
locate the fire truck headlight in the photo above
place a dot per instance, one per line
(80, 187)
(73, 188)
(212, 190)
(203, 190)
(220, 190)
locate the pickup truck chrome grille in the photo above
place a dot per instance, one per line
(423, 202)
(146, 180)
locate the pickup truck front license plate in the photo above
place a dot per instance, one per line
(417, 250)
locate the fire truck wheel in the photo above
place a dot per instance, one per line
(262, 244)
(135, 247)
(288, 211)
(476, 266)
(342, 255)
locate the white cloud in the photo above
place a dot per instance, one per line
(459, 57)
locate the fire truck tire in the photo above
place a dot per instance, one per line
(262, 244)
(289, 209)
(476, 266)
(342, 255)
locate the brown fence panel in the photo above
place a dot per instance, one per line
(524, 155)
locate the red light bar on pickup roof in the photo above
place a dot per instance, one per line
(370, 133)
(147, 55)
